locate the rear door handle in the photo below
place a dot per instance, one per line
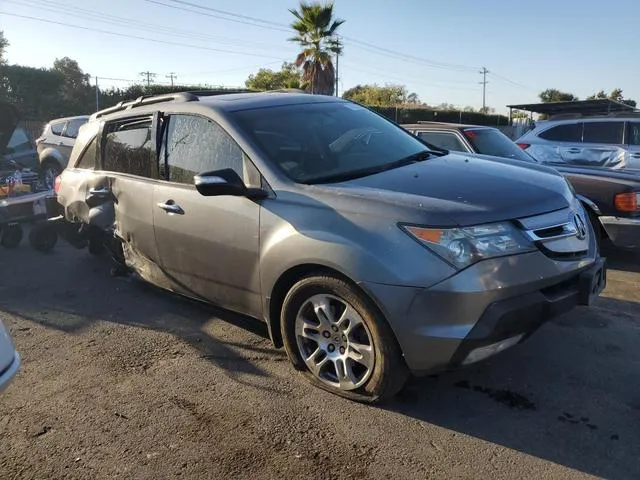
(635, 155)
(171, 207)
(100, 192)
(574, 150)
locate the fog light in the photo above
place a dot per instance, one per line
(489, 350)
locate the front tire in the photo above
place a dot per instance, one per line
(11, 236)
(338, 339)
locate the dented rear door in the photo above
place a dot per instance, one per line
(130, 162)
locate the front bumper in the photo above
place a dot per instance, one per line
(438, 328)
(623, 232)
(8, 373)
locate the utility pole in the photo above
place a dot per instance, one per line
(484, 82)
(172, 76)
(97, 96)
(335, 46)
(150, 76)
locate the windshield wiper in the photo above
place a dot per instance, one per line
(364, 172)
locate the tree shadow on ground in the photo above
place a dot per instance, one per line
(71, 291)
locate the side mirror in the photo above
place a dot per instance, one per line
(220, 182)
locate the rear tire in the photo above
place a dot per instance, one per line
(43, 238)
(11, 236)
(337, 338)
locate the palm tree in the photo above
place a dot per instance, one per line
(316, 34)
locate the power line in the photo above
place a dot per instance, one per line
(505, 79)
(236, 20)
(257, 22)
(231, 14)
(122, 22)
(136, 37)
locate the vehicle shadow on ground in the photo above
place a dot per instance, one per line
(71, 293)
(623, 260)
(572, 401)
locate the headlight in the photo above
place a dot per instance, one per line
(464, 246)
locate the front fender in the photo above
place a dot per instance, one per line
(288, 248)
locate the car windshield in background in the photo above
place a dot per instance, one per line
(333, 141)
(489, 141)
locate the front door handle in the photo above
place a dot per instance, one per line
(635, 155)
(171, 207)
(574, 150)
(100, 192)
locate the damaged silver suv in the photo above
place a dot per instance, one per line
(368, 253)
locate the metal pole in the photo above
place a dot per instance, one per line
(97, 96)
(337, 61)
(484, 82)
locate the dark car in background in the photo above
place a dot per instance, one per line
(611, 197)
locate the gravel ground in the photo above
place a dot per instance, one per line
(120, 380)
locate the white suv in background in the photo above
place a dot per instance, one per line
(55, 145)
(607, 141)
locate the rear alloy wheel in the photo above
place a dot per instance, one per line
(339, 340)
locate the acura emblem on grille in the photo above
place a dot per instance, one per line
(581, 228)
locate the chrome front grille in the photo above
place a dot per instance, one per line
(562, 234)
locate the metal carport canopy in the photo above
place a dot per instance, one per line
(584, 107)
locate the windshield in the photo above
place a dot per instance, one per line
(489, 141)
(318, 142)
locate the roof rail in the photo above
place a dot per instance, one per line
(147, 100)
(568, 116)
(287, 90)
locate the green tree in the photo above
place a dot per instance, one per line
(4, 43)
(267, 79)
(315, 30)
(381, 96)
(616, 95)
(554, 95)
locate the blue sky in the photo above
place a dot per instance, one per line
(579, 46)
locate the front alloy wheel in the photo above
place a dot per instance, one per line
(334, 334)
(334, 341)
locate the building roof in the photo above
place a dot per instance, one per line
(583, 107)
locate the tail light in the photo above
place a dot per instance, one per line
(523, 146)
(56, 184)
(627, 202)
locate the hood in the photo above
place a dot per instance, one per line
(618, 174)
(456, 190)
(8, 121)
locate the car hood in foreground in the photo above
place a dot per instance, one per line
(452, 190)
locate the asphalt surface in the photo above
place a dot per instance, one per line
(120, 380)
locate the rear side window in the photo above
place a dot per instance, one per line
(73, 127)
(56, 128)
(633, 137)
(446, 140)
(569, 132)
(196, 145)
(88, 158)
(128, 149)
(603, 132)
